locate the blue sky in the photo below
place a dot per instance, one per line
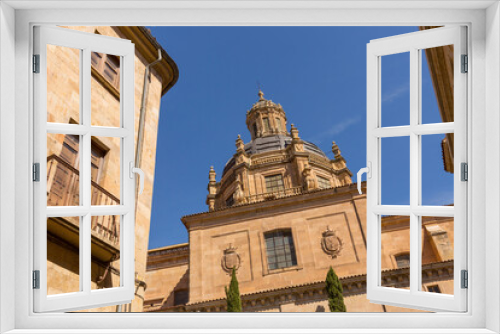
(318, 75)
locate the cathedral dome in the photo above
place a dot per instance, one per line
(275, 163)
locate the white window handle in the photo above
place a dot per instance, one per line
(136, 170)
(368, 171)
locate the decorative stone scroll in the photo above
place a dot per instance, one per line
(331, 243)
(231, 259)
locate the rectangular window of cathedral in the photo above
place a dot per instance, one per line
(280, 249)
(323, 183)
(230, 201)
(266, 124)
(403, 260)
(274, 184)
(278, 124)
(181, 297)
(108, 66)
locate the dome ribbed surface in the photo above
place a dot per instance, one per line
(273, 143)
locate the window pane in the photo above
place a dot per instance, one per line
(437, 84)
(63, 170)
(437, 160)
(395, 174)
(105, 252)
(437, 254)
(105, 170)
(63, 84)
(281, 252)
(63, 255)
(105, 90)
(266, 124)
(395, 252)
(274, 183)
(323, 183)
(395, 91)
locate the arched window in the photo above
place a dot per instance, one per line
(280, 249)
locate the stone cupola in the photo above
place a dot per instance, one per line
(276, 163)
(266, 118)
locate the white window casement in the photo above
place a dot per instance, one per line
(472, 310)
(414, 133)
(83, 212)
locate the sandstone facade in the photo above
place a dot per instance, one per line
(282, 214)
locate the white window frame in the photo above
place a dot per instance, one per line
(483, 21)
(86, 43)
(415, 44)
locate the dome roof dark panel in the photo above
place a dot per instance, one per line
(272, 143)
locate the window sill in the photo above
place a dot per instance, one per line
(282, 270)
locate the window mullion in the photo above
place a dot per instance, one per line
(414, 169)
(85, 176)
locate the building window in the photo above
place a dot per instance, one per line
(255, 129)
(181, 297)
(434, 288)
(280, 249)
(323, 183)
(274, 183)
(266, 124)
(108, 66)
(403, 260)
(278, 124)
(230, 201)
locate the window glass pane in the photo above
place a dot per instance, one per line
(437, 84)
(395, 91)
(105, 252)
(105, 90)
(323, 183)
(63, 170)
(395, 252)
(278, 124)
(274, 183)
(266, 124)
(63, 255)
(437, 254)
(281, 252)
(395, 171)
(105, 170)
(437, 169)
(63, 84)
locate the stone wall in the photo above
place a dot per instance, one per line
(63, 107)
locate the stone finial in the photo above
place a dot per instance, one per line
(336, 151)
(261, 95)
(240, 145)
(294, 132)
(211, 174)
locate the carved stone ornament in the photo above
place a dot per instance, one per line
(230, 259)
(331, 243)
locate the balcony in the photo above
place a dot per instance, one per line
(63, 190)
(267, 196)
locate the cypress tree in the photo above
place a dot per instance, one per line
(334, 292)
(233, 294)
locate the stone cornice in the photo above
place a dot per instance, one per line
(148, 47)
(288, 203)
